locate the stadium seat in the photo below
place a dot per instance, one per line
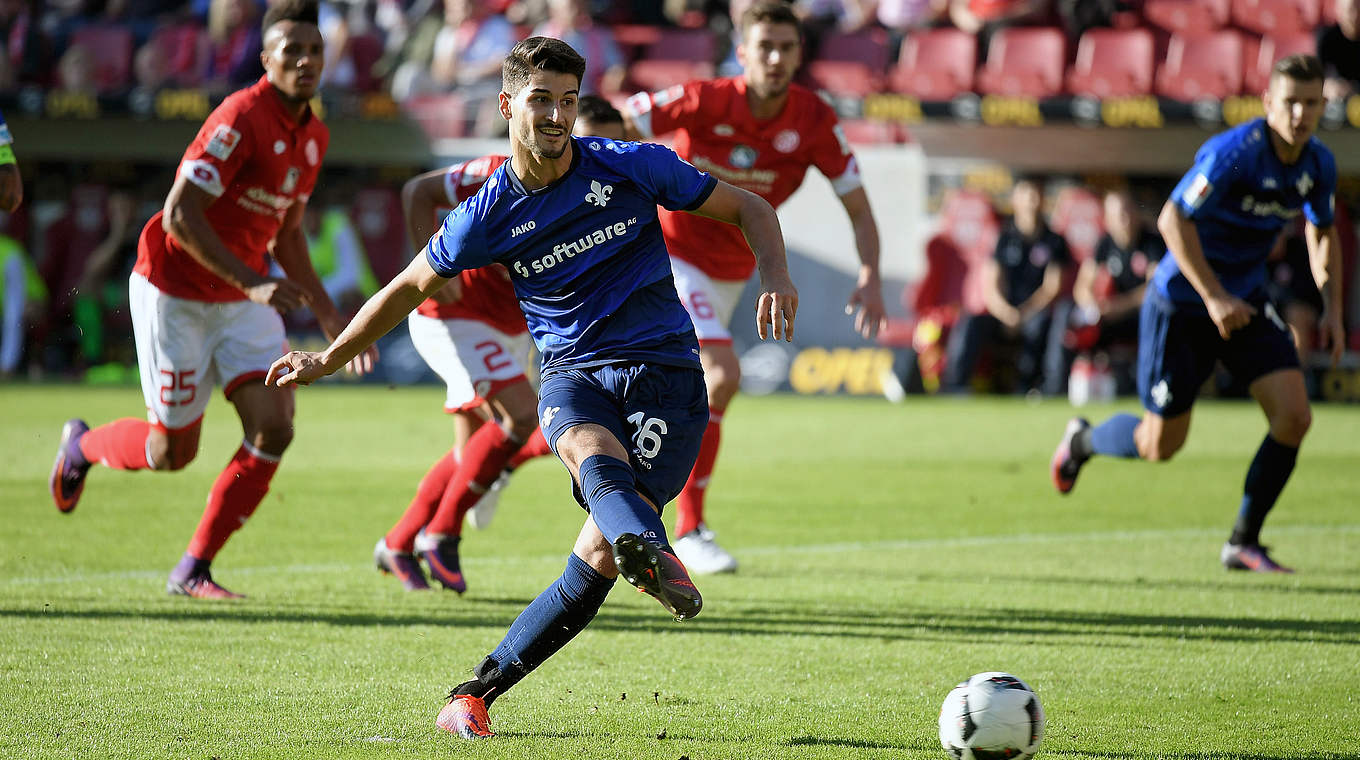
(1187, 16)
(969, 221)
(1276, 17)
(377, 216)
(1328, 12)
(850, 64)
(182, 48)
(1078, 216)
(1112, 63)
(1271, 49)
(935, 64)
(677, 56)
(439, 116)
(110, 49)
(658, 75)
(871, 132)
(1024, 61)
(1202, 66)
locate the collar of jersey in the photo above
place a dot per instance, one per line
(519, 186)
(266, 93)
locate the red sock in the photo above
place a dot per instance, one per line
(689, 505)
(233, 499)
(120, 444)
(536, 446)
(402, 537)
(484, 456)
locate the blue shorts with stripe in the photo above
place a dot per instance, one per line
(658, 412)
(1178, 346)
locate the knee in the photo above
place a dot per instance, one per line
(1289, 427)
(169, 453)
(522, 423)
(1159, 449)
(272, 438)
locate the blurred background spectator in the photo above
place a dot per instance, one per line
(1338, 45)
(233, 44)
(569, 21)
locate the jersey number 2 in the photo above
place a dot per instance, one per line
(181, 382)
(493, 355)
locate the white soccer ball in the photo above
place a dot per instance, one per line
(991, 716)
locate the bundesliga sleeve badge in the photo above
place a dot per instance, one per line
(223, 142)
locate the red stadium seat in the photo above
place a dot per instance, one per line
(439, 116)
(935, 64)
(1328, 12)
(677, 56)
(1202, 66)
(1024, 61)
(851, 64)
(110, 49)
(1079, 217)
(377, 216)
(1113, 63)
(1276, 17)
(1270, 50)
(682, 45)
(969, 221)
(658, 75)
(1187, 16)
(182, 48)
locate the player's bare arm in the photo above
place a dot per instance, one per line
(421, 198)
(289, 248)
(381, 313)
(1324, 248)
(866, 300)
(1182, 240)
(778, 302)
(11, 187)
(187, 223)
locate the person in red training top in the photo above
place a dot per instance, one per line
(760, 132)
(203, 307)
(472, 334)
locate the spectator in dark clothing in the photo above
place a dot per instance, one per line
(1338, 46)
(1022, 280)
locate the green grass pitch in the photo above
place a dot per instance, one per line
(887, 553)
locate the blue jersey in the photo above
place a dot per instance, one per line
(1240, 195)
(585, 254)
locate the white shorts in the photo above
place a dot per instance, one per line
(710, 302)
(186, 347)
(475, 359)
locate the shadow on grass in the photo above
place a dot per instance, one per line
(1158, 584)
(814, 618)
(818, 741)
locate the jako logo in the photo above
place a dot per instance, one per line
(563, 251)
(523, 228)
(599, 194)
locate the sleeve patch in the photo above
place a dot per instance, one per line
(224, 141)
(1198, 191)
(205, 175)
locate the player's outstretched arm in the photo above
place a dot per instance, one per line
(866, 300)
(421, 197)
(186, 221)
(1324, 255)
(289, 248)
(381, 313)
(778, 301)
(1182, 241)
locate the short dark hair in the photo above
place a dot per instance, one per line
(769, 12)
(302, 11)
(539, 54)
(1300, 68)
(597, 110)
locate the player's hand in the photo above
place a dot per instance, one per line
(279, 294)
(1229, 313)
(866, 304)
(360, 365)
(1333, 334)
(452, 292)
(296, 368)
(776, 308)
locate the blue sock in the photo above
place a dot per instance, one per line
(552, 619)
(1114, 437)
(611, 492)
(1266, 477)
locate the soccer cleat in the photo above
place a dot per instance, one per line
(441, 555)
(484, 510)
(404, 565)
(465, 716)
(67, 480)
(1253, 557)
(1064, 467)
(700, 553)
(659, 573)
(199, 586)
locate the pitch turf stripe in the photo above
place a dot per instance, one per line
(849, 546)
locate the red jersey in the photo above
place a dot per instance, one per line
(715, 131)
(256, 160)
(488, 296)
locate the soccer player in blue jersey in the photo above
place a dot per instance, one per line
(1207, 301)
(622, 403)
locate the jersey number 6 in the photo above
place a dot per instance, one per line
(648, 435)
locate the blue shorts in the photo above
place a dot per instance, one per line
(656, 411)
(1178, 347)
